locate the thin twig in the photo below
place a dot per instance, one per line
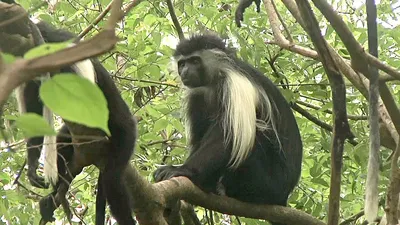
(175, 19)
(351, 117)
(96, 21)
(146, 81)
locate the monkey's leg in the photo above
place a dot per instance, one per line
(122, 126)
(188, 214)
(204, 164)
(52, 201)
(65, 155)
(172, 213)
(243, 4)
(32, 104)
(100, 202)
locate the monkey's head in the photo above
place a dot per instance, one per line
(201, 59)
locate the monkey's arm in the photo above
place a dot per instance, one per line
(123, 130)
(243, 4)
(204, 164)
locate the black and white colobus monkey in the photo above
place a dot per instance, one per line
(121, 124)
(242, 132)
(243, 4)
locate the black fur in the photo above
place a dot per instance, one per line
(271, 171)
(243, 4)
(122, 141)
(198, 43)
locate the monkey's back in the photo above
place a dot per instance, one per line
(272, 167)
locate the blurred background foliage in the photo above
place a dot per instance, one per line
(140, 67)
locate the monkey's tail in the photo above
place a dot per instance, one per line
(371, 192)
(50, 151)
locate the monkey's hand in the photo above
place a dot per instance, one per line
(168, 172)
(243, 4)
(36, 180)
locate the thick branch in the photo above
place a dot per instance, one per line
(183, 188)
(371, 194)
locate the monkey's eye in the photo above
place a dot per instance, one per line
(181, 63)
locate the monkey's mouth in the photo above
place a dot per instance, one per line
(185, 81)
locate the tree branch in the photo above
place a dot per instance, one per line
(359, 57)
(175, 20)
(358, 80)
(341, 128)
(183, 188)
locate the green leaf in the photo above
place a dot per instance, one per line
(45, 17)
(156, 38)
(320, 181)
(154, 71)
(160, 125)
(4, 178)
(66, 7)
(7, 58)
(45, 49)
(317, 210)
(33, 125)
(150, 19)
(152, 112)
(76, 99)
(3, 210)
(315, 171)
(24, 4)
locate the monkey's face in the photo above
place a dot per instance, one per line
(192, 71)
(201, 68)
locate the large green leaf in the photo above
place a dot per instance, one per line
(76, 99)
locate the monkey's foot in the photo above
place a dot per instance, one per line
(47, 207)
(36, 180)
(239, 17)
